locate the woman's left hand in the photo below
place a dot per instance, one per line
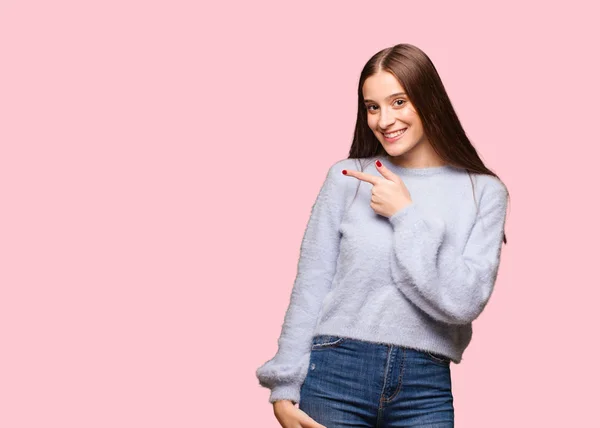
(389, 193)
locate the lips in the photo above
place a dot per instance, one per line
(391, 137)
(394, 134)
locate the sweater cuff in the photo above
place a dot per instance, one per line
(406, 216)
(286, 391)
(413, 221)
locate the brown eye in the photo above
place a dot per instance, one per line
(400, 100)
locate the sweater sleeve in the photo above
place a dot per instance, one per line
(449, 284)
(319, 250)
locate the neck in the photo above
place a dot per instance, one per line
(417, 163)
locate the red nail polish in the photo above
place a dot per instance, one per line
(378, 163)
(344, 172)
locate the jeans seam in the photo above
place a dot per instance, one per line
(382, 396)
(331, 344)
(402, 365)
(435, 359)
(385, 378)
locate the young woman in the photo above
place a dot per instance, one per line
(399, 257)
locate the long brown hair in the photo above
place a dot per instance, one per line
(423, 86)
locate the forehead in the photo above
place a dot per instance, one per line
(378, 86)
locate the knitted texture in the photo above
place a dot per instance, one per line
(417, 279)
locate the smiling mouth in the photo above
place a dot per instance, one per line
(395, 133)
(393, 136)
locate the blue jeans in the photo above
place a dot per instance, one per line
(353, 383)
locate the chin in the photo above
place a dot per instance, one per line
(395, 151)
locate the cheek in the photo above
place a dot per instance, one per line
(417, 127)
(411, 117)
(371, 121)
(407, 116)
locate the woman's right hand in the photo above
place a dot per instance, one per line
(289, 416)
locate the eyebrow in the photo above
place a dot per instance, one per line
(388, 97)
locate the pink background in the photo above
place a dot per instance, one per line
(159, 161)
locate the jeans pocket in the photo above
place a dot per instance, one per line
(326, 341)
(437, 358)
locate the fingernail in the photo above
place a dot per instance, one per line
(378, 163)
(344, 172)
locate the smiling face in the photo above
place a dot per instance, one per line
(395, 122)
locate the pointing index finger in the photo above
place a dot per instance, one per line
(362, 176)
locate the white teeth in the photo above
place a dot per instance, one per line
(395, 134)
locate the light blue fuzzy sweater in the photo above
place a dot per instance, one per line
(416, 279)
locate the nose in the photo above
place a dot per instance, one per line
(385, 119)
